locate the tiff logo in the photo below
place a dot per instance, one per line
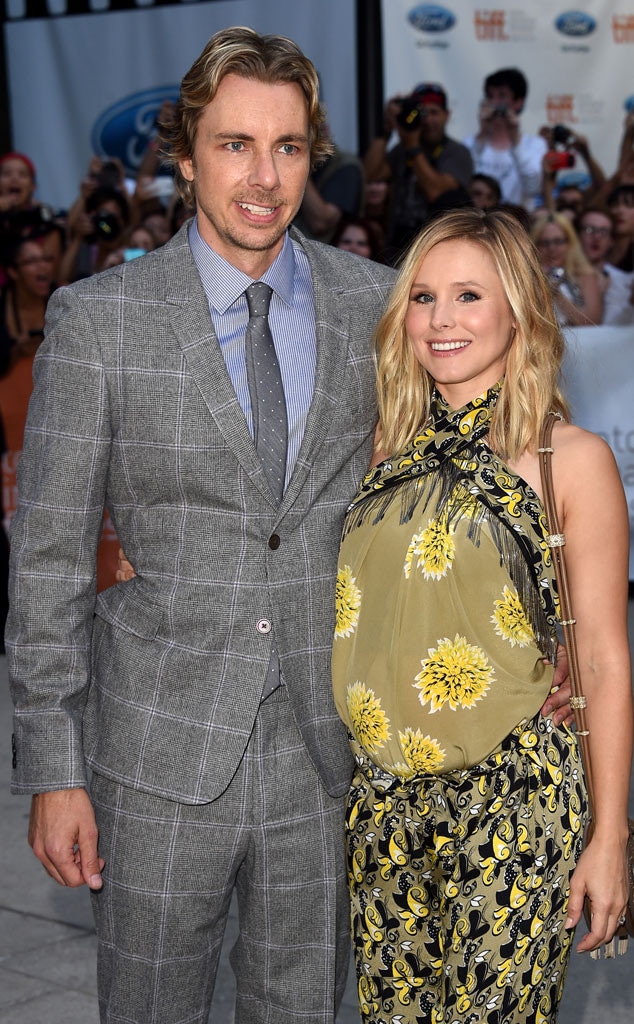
(623, 28)
(490, 25)
(560, 108)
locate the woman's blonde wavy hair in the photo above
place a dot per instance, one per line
(575, 262)
(240, 51)
(531, 382)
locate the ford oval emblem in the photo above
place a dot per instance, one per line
(125, 128)
(575, 23)
(431, 18)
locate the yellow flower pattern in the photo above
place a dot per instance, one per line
(347, 602)
(369, 721)
(456, 673)
(422, 753)
(432, 550)
(510, 620)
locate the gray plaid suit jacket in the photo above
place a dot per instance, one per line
(156, 682)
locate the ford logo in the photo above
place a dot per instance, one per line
(431, 18)
(125, 128)
(575, 23)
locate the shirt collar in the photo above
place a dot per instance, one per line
(224, 283)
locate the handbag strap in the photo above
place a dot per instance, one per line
(556, 541)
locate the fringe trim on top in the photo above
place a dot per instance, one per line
(454, 493)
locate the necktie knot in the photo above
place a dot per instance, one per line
(258, 298)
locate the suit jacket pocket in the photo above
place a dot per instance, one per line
(124, 607)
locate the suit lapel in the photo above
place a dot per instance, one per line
(331, 317)
(191, 322)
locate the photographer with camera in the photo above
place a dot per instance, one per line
(563, 147)
(427, 170)
(501, 149)
(99, 219)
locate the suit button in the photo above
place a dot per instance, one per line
(264, 626)
(274, 541)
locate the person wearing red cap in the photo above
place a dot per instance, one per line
(427, 170)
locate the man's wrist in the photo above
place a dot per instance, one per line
(412, 151)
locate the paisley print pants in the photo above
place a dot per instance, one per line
(460, 884)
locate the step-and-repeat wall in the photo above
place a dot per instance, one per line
(599, 383)
(577, 58)
(84, 83)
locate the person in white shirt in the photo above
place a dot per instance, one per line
(501, 149)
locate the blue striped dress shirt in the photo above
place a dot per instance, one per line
(291, 319)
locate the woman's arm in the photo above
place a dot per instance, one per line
(591, 312)
(594, 517)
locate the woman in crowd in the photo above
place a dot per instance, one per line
(358, 235)
(29, 271)
(17, 183)
(595, 229)
(621, 205)
(466, 814)
(485, 191)
(574, 282)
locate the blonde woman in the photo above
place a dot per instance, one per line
(466, 814)
(574, 283)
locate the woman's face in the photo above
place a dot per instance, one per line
(623, 213)
(33, 269)
(595, 235)
(354, 239)
(16, 182)
(458, 320)
(482, 195)
(553, 246)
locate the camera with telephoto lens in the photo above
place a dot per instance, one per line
(560, 157)
(410, 114)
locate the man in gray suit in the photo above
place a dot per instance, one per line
(199, 785)
(198, 694)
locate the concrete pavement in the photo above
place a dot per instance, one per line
(47, 944)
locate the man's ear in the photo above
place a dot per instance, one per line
(186, 167)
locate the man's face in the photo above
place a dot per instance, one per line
(502, 96)
(433, 123)
(249, 167)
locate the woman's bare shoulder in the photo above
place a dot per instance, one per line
(579, 444)
(583, 460)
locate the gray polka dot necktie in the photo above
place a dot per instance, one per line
(268, 406)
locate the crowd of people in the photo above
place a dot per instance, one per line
(334, 690)
(410, 172)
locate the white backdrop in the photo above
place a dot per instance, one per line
(578, 58)
(599, 384)
(68, 73)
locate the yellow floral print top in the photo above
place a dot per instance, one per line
(436, 658)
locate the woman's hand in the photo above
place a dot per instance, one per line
(601, 874)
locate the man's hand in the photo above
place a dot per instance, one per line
(63, 836)
(558, 701)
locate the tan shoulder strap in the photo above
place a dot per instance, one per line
(556, 542)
